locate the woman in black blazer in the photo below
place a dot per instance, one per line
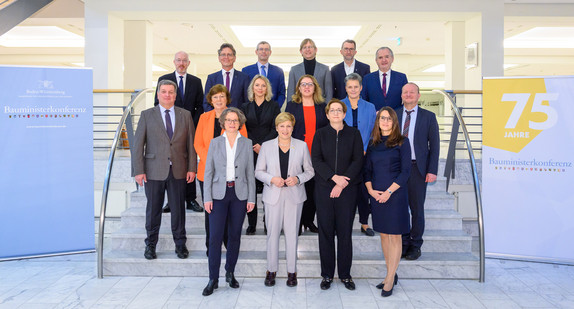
(260, 112)
(337, 158)
(308, 107)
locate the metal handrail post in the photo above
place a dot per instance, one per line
(477, 191)
(100, 247)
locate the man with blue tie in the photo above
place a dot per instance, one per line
(383, 87)
(236, 82)
(421, 128)
(348, 66)
(189, 96)
(273, 73)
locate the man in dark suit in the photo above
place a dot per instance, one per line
(348, 66)
(273, 73)
(383, 87)
(190, 97)
(421, 127)
(163, 158)
(236, 82)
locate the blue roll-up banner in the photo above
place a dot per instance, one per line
(46, 162)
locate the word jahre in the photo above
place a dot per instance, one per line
(516, 134)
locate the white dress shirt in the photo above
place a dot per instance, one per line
(388, 79)
(177, 79)
(223, 73)
(349, 69)
(230, 152)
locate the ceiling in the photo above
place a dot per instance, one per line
(422, 40)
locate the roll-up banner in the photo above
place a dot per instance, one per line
(46, 162)
(528, 177)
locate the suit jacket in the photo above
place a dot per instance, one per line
(338, 76)
(321, 74)
(275, 76)
(215, 183)
(192, 99)
(366, 115)
(203, 137)
(426, 140)
(262, 129)
(152, 150)
(268, 167)
(238, 91)
(372, 91)
(297, 110)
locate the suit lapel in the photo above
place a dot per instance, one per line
(178, 123)
(158, 119)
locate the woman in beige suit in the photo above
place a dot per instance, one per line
(283, 166)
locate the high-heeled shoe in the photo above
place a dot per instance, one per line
(380, 285)
(387, 293)
(311, 227)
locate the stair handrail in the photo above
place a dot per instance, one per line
(477, 191)
(100, 248)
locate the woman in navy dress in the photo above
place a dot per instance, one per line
(387, 169)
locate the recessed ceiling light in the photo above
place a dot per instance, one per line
(291, 36)
(40, 36)
(542, 37)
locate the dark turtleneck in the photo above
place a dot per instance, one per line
(309, 66)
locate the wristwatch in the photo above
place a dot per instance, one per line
(390, 192)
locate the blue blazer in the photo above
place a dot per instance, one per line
(426, 140)
(366, 115)
(238, 91)
(372, 91)
(297, 110)
(338, 76)
(275, 76)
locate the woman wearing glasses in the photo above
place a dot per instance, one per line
(229, 190)
(387, 169)
(309, 110)
(337, 157)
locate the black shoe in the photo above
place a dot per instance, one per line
(150, 252)
(250, 230)
(413, 254)
(326, 283)
(265, 229)
(211, 285)
(369, 231)
(270, 278)
(193, 205)
(230, 278)
(291, 279)
(380, 285)
(166, 209)
(349, 284)
(181, 251)
(311, 226)
(387, 293)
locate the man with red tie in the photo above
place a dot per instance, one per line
(383, 87)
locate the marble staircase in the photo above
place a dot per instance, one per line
(446, 252)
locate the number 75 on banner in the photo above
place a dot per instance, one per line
(515, 111)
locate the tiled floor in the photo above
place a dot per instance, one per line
(71, 282)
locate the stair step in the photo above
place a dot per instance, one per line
(434, 241)
(438, 265)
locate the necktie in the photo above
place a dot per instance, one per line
(168, 126)
(407, 123)
(180, 86)
(227, 81)
(385, 85)
(263, 71)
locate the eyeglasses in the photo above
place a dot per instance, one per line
(307, 85)
(336, 111)
(264, 49)
(232, 120)
(387, 119)
(226, 55)
(308, 47)
(348, 49)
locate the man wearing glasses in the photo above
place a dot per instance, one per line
(348, 66)
(310, 66)
(273, 73)
(236, 82)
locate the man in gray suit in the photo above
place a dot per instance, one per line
(312, 67)
(163, 158)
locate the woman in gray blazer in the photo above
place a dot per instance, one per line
(283, 166)
(229, 189)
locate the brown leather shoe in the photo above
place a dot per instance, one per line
(270, 278)
(291, 279)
